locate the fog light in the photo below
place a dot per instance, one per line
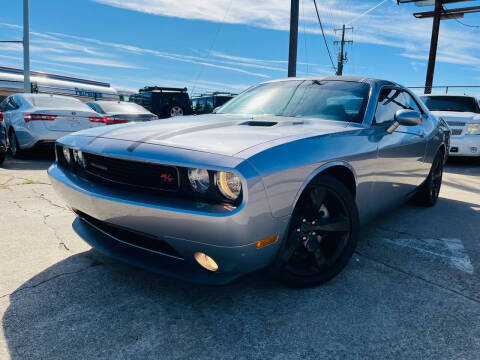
(206, 261)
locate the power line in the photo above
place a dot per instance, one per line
(472, 26)
(323, 34)
(462, 23)
(211, 46)
(305, 37)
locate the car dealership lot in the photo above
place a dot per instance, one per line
(412, 290)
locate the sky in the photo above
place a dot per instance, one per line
(228, 45)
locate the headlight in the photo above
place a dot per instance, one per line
(66, 154)
(79, 159)
(473, 129)
(199, 179)
(229, 184)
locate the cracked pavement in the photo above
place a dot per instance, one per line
(412, 289)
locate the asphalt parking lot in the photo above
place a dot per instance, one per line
(412, 290)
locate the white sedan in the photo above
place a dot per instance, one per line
(462, 114)
(40, 119)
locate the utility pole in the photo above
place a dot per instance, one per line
(433, 46)
(26, 47)
(342, 55)
(439, 13)
(292, 54)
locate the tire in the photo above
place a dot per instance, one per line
(2, 156)
(175, 110)
(322, 235)
(428, 193)
(13, 145)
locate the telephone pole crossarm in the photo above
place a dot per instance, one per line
(342, 57)
(439, 13)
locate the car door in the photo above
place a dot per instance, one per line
(401, 164)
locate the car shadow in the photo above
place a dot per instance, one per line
(32, 160)
(89, 306)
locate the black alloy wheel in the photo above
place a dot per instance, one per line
(322, 236)
(430, 190)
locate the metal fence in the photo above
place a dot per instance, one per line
(473, 90)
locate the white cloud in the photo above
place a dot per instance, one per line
(388, 25)
(96, 61)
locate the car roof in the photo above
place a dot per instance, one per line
(100, 102)
(39, 96)
(447, 95)
(359, 79)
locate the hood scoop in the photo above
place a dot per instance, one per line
(259, 123)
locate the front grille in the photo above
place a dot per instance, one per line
(132, 173)
(162, 181)
(456, 132)
(455, 123)
(131, 237)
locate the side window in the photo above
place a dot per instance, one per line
(98, 109)
(412, 103)
(209, 104)
(201, 104)
(389, 102)
(4, 105)
(194, 104)
(12, 104)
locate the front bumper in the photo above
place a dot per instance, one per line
(465, 145)
(228, 237)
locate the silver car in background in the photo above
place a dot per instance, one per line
(462, 114)
(281, 177)
(39, 119)
(119, 112)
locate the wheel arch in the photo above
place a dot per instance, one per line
(340, 170)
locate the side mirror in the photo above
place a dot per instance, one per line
(216, 109)
(406, 118)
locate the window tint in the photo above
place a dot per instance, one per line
(209, 104)
(120, 107)
(201, 104)
(57, 102)
(324, 100)
(12, 105)
(412, 103)
(390, 101)
(4, 105)
(451, 103)
(194, 104)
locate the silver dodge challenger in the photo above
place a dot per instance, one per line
(278, 180)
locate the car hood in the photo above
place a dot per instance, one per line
(453, 116)
(218, 133)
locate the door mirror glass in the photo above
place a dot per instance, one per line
(408, 117)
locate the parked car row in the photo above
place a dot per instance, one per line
(170, 102)
(207, 103)
(34, 120)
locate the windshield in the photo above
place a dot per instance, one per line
(122, 107)
(328, 100)
(451, 103)
(57, 102)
